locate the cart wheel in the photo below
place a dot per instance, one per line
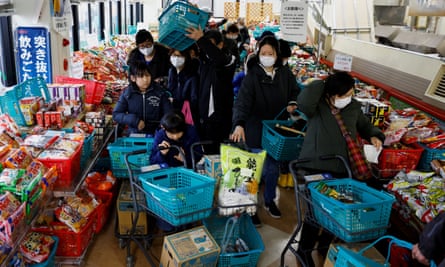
(122, 243)
(130, 261)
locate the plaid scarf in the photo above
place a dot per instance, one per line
(359, 166)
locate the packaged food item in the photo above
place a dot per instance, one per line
(36, 247)
(18, 159)
(70, 217)
(9, 177)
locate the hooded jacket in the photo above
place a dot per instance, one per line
(134, 106)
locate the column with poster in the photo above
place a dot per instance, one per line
(294, 20)
(33, 56)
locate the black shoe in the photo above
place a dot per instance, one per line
(256, 220)
(273, 210)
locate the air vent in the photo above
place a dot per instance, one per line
(436, 90)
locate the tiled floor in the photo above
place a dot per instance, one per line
(105, 249)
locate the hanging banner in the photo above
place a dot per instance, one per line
(61, 16)
(294, 21)
(33, 56)
(343, 62)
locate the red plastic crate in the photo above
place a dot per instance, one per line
(391, 161)
(94, 91)
(67, 169)
(71, 244)
(103, 209)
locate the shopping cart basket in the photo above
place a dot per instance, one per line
(176, 195)
(351, 224)
(346, 257)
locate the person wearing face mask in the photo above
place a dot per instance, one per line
(183, 83)
(232, 41)
(320, 101)
(155, 55)
(143, 103)
(266, 90)
(215, 95)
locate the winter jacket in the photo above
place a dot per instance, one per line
(134, 106)
(323, 135)
(185, 142)
(159, 65)
(262, 98)
(184, 86)
(432, 240)
(216, 73)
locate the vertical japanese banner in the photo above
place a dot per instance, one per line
(294, 20)
(33, 56)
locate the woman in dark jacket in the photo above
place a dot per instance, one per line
(143, 103)
(183, 81)
(323, 136)
(267, 89)
(319, 101)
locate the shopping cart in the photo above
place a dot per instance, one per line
(348, 222)
(347, 257)
(176, 195)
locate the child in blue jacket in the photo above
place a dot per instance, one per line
(174, 131)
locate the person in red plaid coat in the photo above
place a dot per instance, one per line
(319, 101)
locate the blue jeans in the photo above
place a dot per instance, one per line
(270, 174)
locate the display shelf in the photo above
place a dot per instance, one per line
(77, 182)
(46, 198)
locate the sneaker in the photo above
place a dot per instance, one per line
(256, 220)
(273, 210)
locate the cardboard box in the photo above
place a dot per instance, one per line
(372, 253)
(212, 166)
(194, 247)
(125, 211)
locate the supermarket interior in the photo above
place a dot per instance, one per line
(132, 133)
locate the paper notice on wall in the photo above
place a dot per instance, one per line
(294, 21)
(343, 62)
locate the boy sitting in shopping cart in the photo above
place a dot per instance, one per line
(176, 132)
(172, 146)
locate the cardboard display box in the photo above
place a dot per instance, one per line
(125, 211)
(194, 247)
(372, 253)
(212, 166)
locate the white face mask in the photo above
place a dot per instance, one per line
(177, 61)
(342, 102)
(146, 51)
(267, 61)
(233, 37)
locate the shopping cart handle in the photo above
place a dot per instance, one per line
(136, 152)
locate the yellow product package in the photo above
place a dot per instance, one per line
(238, 189)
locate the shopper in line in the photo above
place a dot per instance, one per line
(143, 103)
(231, 35)
(267, 89)
(215, 97)
(431, 244)
(155, 55)
(320, 102)
(183, 84)
(174, 131)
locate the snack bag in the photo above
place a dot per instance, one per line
(240, 182)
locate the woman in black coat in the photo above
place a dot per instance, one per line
(267, 89)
